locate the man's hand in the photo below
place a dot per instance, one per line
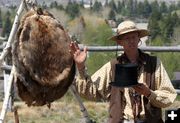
(79, 56)
(142, 89)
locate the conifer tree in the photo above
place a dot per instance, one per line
(7, 25)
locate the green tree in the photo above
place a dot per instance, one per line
(156, 14)
(7, 25)
(172, 7)
(157, 41)
(167, 27)
(82, 3)
(72, 9)
(130, 8)
(163, 7)
(44, 6)
(112, 15)
(97, 6)
(140, 8)
(119, 7)
(0, 19)
(170, 62)
(155, 10)
(175, 19)
(60, 7)
(54, 4)
(112, 5)
(91, 4)
(106, 3)
(135, 7)
(154, 28)
(147, 9)
(178, 5)
(98, 34)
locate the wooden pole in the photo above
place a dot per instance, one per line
(7, 95)
(13, 32)
(82, 107)
(6, 85)
(16, 115)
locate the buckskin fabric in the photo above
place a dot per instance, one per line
(97, 88)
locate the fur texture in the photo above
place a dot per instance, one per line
(45, 68)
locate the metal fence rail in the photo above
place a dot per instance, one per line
(119, 48)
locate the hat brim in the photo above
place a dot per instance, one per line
(117, 84)
(142, 33)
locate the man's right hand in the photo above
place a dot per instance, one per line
(78, 55)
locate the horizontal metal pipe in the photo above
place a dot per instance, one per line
(178, 91)
(119, 48)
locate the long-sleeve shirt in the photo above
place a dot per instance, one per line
(97, 87)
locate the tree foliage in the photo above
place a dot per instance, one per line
(112, 5)
(170, 62)
(54, 4)
(7, 25)
(163, 26)
(112, 15)
(97, 6)
(72, 9)
(0, 19)
(97, 33)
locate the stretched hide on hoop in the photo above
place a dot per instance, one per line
(45, 68)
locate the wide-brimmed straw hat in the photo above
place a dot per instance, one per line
(127, 27)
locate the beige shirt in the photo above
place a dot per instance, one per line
(96, 87)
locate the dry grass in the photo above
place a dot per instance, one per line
(60, 112)
(64, 111)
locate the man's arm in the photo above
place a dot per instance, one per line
(95, 87)
(165, 94)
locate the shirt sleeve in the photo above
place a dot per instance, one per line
(96, 87)
(165, 94)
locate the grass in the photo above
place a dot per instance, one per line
(65, 110)
(60, 112)
(178, 98)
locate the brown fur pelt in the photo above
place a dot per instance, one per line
(45, 68)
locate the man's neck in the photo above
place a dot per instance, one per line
(133, 56)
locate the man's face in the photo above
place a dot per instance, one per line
(129, 41)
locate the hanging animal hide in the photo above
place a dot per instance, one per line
(45, 68)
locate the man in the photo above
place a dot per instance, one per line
(141, 103)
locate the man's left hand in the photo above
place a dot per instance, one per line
(142, 89)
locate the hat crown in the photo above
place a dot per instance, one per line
(125, 75)
(126, 26)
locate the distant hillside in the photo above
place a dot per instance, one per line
(64, 2)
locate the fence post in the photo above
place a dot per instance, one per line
(7, 96)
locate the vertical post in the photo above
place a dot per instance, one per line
(6, 74)
(82, 107)
(6, 99)
(13, 32)
(16, 115)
